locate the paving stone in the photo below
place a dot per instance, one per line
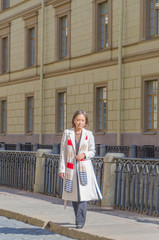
(11, 229)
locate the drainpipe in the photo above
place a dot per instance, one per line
(120, 73)
(42, 69)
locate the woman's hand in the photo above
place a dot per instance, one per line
(61, 174)
(80, 156)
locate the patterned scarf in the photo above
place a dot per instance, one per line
(82, 172)
(82, 167)
(70, 167)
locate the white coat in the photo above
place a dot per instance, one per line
(90, 191)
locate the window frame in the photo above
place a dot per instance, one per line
(4, 33)
(27, 131)
(96, 22)
(4, 56)
(96, 120)
(1, 122)
(144, 108)
(58, 116)
(62, 9)
(2, 5)
(145, 20)
(31, 54)
(31, 21)
(60, 37)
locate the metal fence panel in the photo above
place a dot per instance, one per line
(17, 169)
(137, 185)
(54, 184)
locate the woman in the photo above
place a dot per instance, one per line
(75, 167)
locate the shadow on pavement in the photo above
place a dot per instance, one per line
(25, 231)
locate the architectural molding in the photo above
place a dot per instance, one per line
(96, 65)
(96, 25)
(5, 33)
(30, 15)
(5, 25)
(20, 80)
(141, 56)
(58, 3)
(62, 9)
(21, 13)
(31, 21)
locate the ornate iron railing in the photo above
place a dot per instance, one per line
(118, 149)
(147, 151)
(17, 169)
(42, 146)
(11, 147)
(27, 147)
(137, 185)
(99, 171)
(54, 184)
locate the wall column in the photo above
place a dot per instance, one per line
(109, 179)
(40, 170)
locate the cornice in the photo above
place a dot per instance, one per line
(30, 14)
(91, 66)
(82, 68)
(5, 25)
(14, 6)
(22, 13)
(141, 56)
(58, 3)
(21, 80)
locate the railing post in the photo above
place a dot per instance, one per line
(36, 147)
(132, 151)
(40, 170)
(3, 146)
(102, 150)
(56, 148)
(109, 179)
(18, 147)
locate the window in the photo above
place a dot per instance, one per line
(5, 4)
(102, 18)
(31, 26)
(150, 103)
(4, 48)
(63, 36)
(5, 54)
(3, 116)
(154, 18)
(29, 114)
(101, 110)
(104, 25)
(62, 28)
(149, 19)
(31, 47)
(61, 111)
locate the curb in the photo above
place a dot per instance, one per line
(53, 227)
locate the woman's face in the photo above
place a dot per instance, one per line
(79, 121)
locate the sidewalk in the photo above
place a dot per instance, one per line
(46, 211)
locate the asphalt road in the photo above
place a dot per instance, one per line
(14, 230)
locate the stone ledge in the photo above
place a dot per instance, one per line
(53, 227)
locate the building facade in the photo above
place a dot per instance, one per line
(58, 56)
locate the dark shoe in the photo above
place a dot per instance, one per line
(79, 226)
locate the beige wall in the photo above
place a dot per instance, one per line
(80, 73)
